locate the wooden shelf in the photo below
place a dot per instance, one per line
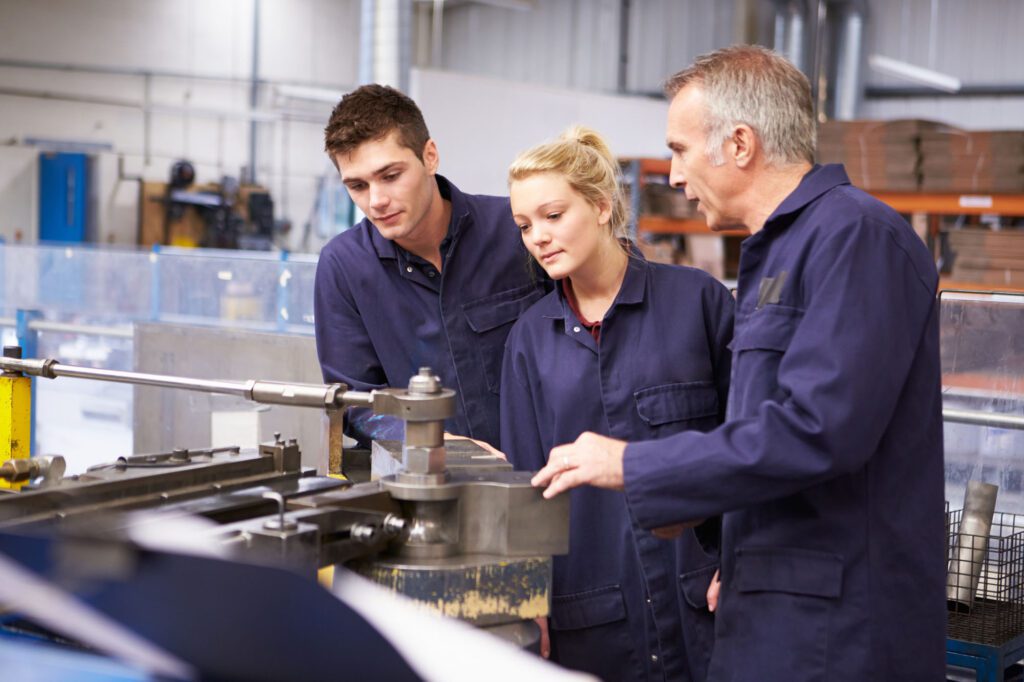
(953, 204)
(935, 203)
(655, 224)
(958, 285)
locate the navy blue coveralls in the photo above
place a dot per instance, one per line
(829, 466)
(626, 605)
(381, 313)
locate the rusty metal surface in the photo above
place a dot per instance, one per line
(483, 590)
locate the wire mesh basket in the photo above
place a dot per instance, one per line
(985, 583)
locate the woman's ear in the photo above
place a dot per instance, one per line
(604, 211)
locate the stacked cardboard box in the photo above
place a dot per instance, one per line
(988, 256)
(977, 161)
(662, 200)
(878, 155)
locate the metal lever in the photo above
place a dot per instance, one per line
(279, 524)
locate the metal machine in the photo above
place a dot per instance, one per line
(465, 535)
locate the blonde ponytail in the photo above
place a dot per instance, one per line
(583, 158)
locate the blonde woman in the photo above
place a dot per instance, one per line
(629, 349)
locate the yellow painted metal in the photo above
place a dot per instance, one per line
(15, 420)
(325, 576)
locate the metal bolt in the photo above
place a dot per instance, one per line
(393, 525)
(363, 532)
(424, 383)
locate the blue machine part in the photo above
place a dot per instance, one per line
(63, 196)
(227, 619)
(23, 658)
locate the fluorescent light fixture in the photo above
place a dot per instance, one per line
(917, 74)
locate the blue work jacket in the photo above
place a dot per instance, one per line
(382, 313)
(625, 605)
(829, 467)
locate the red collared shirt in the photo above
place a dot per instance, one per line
(593, 327)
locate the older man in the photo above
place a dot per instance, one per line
(828, 469)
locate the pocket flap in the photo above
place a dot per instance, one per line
(587, 609)
(504, 307)
(694, 586)
(668, 403)
(770, 328)
(795, 571)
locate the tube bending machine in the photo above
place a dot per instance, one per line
(463, 534)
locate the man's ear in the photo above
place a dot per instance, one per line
(744, 145)
(431, 159)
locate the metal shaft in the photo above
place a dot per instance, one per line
(972, 543)
(1002, 421)
(270, 392)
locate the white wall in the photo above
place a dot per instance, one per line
(978, 42)
(480, 124)
(199, 55)
(19, 193)
(566, 50)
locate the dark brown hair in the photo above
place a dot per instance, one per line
(371, 112)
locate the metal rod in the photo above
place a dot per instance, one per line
(157, 73)
(1002, 421)
(266, 392)
(965, 91)
(622, 79)
(239, 388)
(254, 90)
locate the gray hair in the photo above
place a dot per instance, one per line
(755, 86)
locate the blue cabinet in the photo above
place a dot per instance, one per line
(63, 197)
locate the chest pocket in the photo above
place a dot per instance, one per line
(757, 351)
(670, 408)
(770, 328)
(491, 319)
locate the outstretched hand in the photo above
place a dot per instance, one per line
(591, 460)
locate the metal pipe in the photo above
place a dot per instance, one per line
(972, 544)
(1001, 421)
(367, 18)
(242, 389)
(148, 108)
(266, 392)
(156, 73)
(436, 31)
(980, 90)
(796, 38)
(623, 65)
(123, 331)
(848, 63)
(818, 57)
(254, 89)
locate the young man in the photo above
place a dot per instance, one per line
(829, 467)
(431, 278)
